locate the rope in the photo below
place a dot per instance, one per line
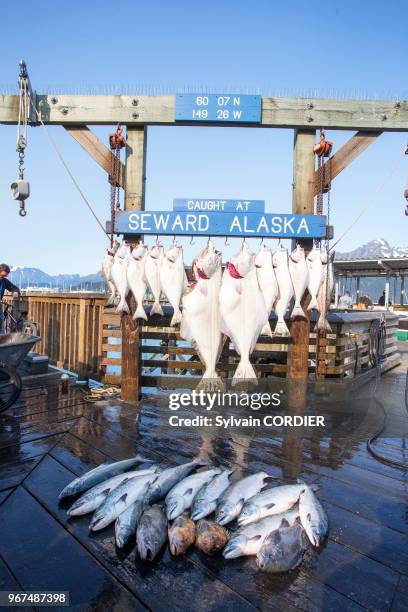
(97, 394)
(364, 210)
(68, 171)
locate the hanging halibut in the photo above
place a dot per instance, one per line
(285, 285)
(324, 295)
(154, 261)
(200, 323)
(173, 279)
(299, 274)
(267, 282)
(242, 308)
(107, 264)
(315, 262)
(136, 278)
(119, 275)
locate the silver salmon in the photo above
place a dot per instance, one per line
(99, 474)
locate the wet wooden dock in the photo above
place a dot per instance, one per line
(47, 439)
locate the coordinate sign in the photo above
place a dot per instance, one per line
(227, 108)
(171, 223)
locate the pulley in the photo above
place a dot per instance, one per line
(116, 139)
(324, 147)
(20, 189)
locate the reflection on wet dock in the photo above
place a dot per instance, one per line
(48, 438)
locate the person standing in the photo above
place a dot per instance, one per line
(6, 285)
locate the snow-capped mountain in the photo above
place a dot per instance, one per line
(375, 249)
(24, 276)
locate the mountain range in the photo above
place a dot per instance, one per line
(375, 249)
(34, 277)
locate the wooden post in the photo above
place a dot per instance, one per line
(387, 292)
(302, 203)
(134, 200)
(82, 339)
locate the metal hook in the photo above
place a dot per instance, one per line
(226, 242)
(262, 239)
(192, 241)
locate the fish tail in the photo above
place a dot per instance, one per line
(122, 306)
(297, 312)
(111, 300)
(323, 324)
(210, 382)
(140, 312)
(156, 309)
(244, 371)
(281, 329)
(176, 318)
(313, 303)
(266, 330)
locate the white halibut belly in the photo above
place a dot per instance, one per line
(201, 321)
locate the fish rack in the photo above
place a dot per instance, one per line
(137, 112)
(168, 362)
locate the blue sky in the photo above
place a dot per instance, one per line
(335, 48)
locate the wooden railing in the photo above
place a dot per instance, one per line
(70, 326)
(80, 334)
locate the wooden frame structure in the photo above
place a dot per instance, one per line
(304, 115)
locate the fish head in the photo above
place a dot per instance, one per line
(181, 535)
(113, 249)
(280, 256)
(211, 537)
(282, 549)
(227, 511)
(244, 260)
(298, 254)
(147, 547)
(263, 257)
(323, 256)
(208, 262)
(249, 514)
(156, 250)
(123, 250)
(241, 545)
(174, 507)
(139, 252)
(202, 508)
(174, 252)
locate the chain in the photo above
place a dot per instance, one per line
(23, 113)
(114, 191)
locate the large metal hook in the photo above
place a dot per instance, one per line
(226, 242)
(192, 241)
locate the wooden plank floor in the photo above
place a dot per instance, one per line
(47, 438)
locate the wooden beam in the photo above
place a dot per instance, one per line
(96, 149)
(303, 172)
(343, 157)
(134, 200)
(135, 168)
(302, 203)
(298, 113)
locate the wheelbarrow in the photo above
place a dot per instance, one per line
(13, 348)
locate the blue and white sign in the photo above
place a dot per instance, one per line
(174, 223)
(218, 205)
(227, 108)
